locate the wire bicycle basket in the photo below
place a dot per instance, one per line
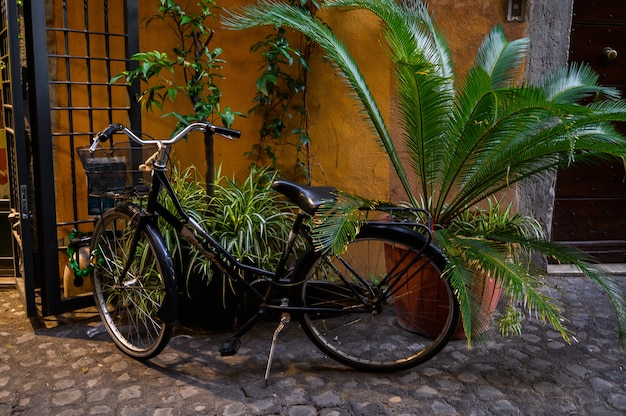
(113, 172)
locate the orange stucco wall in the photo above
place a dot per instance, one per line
(345, 153)
(465, 24)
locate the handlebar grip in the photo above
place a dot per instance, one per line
(224, 131)
(106, 134)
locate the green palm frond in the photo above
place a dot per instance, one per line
(410, 33)
(425, 82)
(267, 13)
(575, 82)
(484, 247)
(425, 86)
(337, 223)
(479, 255)
(460, 278)
(466, 140)
(584, 263)
(613, 291)
(422, 124)
(500, 58)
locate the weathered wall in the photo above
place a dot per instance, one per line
(465, 23)
(345, 153)
(549, 33)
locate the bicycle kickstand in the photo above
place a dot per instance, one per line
(284, 320)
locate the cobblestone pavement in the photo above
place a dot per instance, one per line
(55, 368)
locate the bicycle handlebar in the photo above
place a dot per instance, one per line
(107, 133)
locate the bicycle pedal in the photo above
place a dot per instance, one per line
(230, 347)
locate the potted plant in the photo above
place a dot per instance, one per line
(247, 218)
(500, 227)
(469, 139)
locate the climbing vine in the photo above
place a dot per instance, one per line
(281, 98)
(191, 71)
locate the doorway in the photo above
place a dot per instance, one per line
(590, 200)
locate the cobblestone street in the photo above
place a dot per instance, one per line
(55, 367)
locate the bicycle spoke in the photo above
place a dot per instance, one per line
(130, 294)
(363, 289)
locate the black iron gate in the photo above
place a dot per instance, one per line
(73, 48)
(18, 155)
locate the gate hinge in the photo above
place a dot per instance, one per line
(24, 201)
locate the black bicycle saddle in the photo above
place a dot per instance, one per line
(308, 198)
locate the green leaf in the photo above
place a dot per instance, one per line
(117, 77)
(337, 222)
(228, 116)
(263, 80)
(172, 93)
(500, 58)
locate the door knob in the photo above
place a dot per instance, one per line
(608, 54)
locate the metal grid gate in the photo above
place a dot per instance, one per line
(17, 152)
(73, 48)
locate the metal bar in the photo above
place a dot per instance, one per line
(79, 83)
(131, 25)
(76, 108)
(33, 192)
(47, 265)
(79, 57)
(79, 31)
(107, 45)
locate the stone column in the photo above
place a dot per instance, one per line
(549, 26)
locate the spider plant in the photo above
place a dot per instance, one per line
(247, 218)
(468, 139)
(190, 189)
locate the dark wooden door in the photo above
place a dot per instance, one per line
(590, 205)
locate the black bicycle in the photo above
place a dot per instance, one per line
(382, 305)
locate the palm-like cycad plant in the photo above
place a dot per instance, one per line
(469, 139)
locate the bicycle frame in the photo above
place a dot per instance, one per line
(193, 233)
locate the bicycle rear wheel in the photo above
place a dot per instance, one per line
(382, 305)
(136, 299)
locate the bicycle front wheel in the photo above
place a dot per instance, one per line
(133, 283)
(383, 304)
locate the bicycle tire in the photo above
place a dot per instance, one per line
(360, 319)
(138, 309)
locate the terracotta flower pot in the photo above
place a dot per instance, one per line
(487, 291)
(421, 302)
